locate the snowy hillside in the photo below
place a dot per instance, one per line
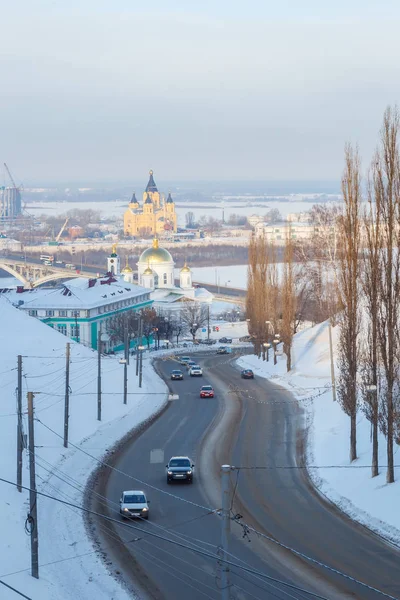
(370, 500)
(63, 545)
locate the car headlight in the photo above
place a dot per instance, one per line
(169, 472)
(126, 509)
(188, 472)
(145, 509)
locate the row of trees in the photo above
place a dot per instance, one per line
(349, 272)
(170, 326)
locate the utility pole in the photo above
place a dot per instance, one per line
(208, 322)
(32, 517)
(332, 363)
(20, 444)
(66, 406)
(225, 531)
(99, 374)
(138, 343)
(126, 345)
(140, 367)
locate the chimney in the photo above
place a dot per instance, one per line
(92, 282)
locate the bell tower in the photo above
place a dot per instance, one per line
(113, 262)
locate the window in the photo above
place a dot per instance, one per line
(62, 313)
(33, 313)
(155, 280)
(62, 329)
(75, 313)
(75, 332)
(165, 279)
(49, 313)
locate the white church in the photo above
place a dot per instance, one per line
(156, 273)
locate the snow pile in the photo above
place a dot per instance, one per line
(369, 500)
(69, 565)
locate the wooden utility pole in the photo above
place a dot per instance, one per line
(66, 406)
(332, 362)
(32, 517)
(20, 442)
(99, 374)
(208, 322)
(126, 345)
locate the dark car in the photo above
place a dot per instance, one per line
(247, 374)
(223, 350)
(176, 374)
(223, 340)
(180, 468)
(209, 342)
(228, 340)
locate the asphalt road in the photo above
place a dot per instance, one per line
(249, 423)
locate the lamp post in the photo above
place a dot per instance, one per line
(373, 389)
(266, 347)
(140, 348)
(275, 342)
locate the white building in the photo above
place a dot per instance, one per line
(279, 232)
(156, 272)
(80, 307)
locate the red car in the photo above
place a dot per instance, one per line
(206, 391)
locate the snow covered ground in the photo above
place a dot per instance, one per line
(69, 565)
(369, 500)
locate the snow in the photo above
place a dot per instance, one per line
(371, 501)
(81, 295)
(77, 570)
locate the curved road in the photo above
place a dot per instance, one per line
(250, 423)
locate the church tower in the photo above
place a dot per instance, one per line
(185, 278)
(152, 192)
(113, 262)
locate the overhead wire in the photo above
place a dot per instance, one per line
(10, 587)
(173, 542)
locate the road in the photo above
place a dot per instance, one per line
(250, 423)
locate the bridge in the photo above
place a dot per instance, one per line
(31, 274)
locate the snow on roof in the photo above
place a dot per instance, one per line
(77, 293)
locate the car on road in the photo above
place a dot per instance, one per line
(134, 504)
(176, 375)
(224, 350)
(209, 342)
(245, 338)
(247, 374)
(207, 391)
(223, 340)
(184, 360)
(190, 364)
(195, 371)
(180, 468)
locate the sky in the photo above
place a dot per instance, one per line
(104, 90)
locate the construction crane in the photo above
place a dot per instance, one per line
(9, 174)
(62, 229)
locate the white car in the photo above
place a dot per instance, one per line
(195, 371)
(133, 503)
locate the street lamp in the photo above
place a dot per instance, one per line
(140, 348)
(275, 342)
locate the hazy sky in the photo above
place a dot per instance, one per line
(222, 89)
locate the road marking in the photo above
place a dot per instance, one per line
(156, 456)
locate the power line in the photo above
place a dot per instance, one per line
(15, 590)
(248, 528)
(179, 544)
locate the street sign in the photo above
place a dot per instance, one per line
(204, 330)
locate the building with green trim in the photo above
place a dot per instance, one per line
(79, 307)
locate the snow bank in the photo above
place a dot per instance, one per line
(69, 565)
(371, 501)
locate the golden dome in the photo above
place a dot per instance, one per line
(127, 268)
(185, 269)
(148, 271)
(155, 254)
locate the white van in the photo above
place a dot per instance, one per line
(133, 503)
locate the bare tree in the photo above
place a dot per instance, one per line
(370, 283)
(386, 187)
(122, 323)
(193, 315)
(349, 289)
(288, 301)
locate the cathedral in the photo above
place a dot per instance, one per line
(156, 215)
(156, 272)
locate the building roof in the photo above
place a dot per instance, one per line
(134, 199)
(78, 293)
(169, 199)
(148, 199)
(155, 255)
(151, 186)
